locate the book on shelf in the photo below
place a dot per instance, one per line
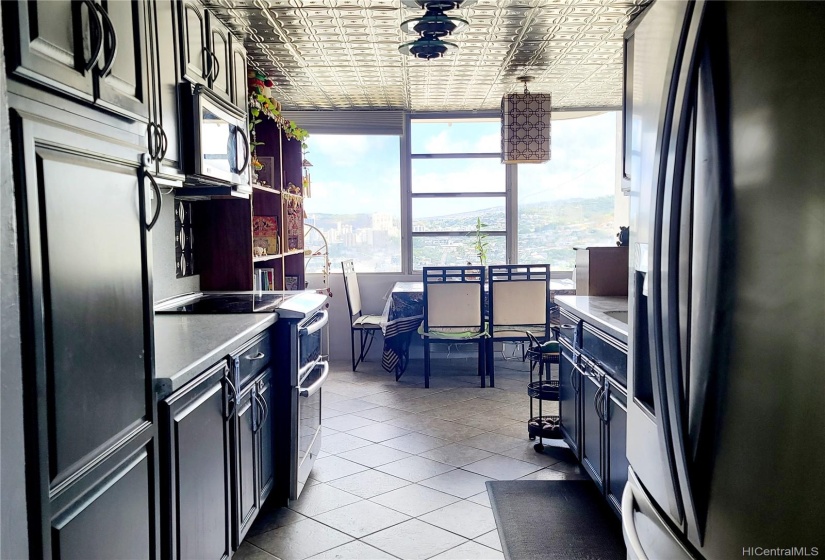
(265, 234)
(263, 279)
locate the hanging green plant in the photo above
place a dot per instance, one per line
(263, 105)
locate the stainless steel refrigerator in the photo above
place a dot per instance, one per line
(725, 162)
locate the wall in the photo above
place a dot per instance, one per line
(163, 255)
(621, 201)
(13, 527)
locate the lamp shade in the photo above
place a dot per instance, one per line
(525, 128)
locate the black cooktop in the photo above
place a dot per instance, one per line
(226, 303)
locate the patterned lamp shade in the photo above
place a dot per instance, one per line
(525, 128)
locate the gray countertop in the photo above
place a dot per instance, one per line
(186, 345)
(595, 310)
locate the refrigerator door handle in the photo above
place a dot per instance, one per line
(676, 240)
(660, 308)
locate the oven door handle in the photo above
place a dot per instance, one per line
(315, 387)
(316, 326)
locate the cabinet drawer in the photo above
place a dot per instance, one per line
(608, 353)
(252, 358)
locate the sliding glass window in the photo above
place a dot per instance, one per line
(457, 179)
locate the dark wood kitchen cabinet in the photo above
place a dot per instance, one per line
(239, 69)
(164, 134)
(592, 429)
(196, 449)
(87, 331)
(219, 45)
(210, 54)
(615, 399)
(195, 61)
(266, 434)
(122, 69)
(569, 401)
(247, 462)
(94, 51)
(593, 404)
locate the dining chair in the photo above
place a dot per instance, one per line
(365, 325)
(453, 311)
(518, 305)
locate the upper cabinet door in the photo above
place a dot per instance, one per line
(166, 79)
(196, 62)
(54, 43)
(122, 66)
(221, 78)
(239, 88)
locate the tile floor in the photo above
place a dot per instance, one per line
(402, 469)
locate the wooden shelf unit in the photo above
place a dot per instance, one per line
(223, 227)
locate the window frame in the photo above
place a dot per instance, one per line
(401, 138)
(510, 174)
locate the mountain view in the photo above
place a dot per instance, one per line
(548, 232)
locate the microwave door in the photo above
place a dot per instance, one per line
(217, 144)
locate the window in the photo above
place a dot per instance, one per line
(457, 179)
(569, 201)
(356, 201)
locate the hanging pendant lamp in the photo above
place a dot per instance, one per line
(525, 126)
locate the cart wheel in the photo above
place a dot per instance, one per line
(539, 447)
(532, 438)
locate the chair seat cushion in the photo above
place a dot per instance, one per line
(453, 333)
(367, 322)
(518, 331)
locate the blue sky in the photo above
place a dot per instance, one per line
(355, 174)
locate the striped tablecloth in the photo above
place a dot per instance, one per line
(404, 311)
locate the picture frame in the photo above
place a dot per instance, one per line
(291, 283)
(266, 176)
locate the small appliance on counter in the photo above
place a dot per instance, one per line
(300, 362)
(601, 271)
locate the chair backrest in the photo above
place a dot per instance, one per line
(454, 297)
(518, 295)
(351, 287)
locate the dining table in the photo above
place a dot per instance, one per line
(404, 312)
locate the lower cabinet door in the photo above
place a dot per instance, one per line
(266, 470)
(616, 446)
(592, 429)
(115, 516)
(246, 463)
(196, 449)
(569, 406)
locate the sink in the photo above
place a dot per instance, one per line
(618, 315)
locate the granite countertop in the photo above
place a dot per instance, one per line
(186, 345)
(597, 310)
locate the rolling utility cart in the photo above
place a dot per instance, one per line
(543, 389)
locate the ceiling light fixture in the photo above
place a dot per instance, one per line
(432, 27)
(525, 126)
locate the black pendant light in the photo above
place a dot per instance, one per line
(432, 27)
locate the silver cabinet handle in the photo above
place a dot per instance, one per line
(315, 387)
(258, 356)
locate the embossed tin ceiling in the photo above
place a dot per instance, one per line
(343, 54)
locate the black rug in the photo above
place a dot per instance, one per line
(555, 520)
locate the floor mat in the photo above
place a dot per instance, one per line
(555, 520)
